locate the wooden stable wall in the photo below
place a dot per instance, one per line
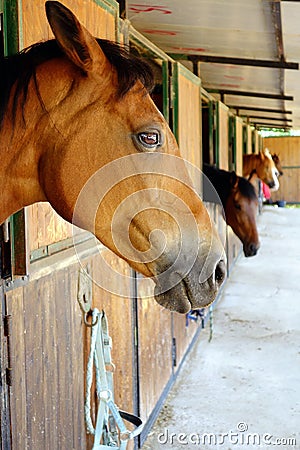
(288, 150)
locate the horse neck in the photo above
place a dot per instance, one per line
(250, 164)
(19, 164)
(220, 179)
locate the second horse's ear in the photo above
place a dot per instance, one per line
(234, 180)
(74, 39)
(251, 175)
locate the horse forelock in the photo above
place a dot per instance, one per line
(246, 188)
(21, 68)
(221, 179)
(267, 153)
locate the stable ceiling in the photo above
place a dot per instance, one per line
(248, 51)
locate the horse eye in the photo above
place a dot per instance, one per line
(237, 206)
(149, 139)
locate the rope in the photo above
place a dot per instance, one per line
(211, 324)
(89, 375)
(106, 423)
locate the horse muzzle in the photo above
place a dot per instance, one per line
(250, 249)
(194, 291)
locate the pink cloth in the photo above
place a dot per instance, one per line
(266, 191)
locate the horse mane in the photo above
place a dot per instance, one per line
(246, 188)
(21, 67)
(221, 180)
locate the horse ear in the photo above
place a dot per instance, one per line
(74, 39)
(234, 180)
(251, 174)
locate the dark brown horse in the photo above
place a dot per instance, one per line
(79, 130)
(239, 201)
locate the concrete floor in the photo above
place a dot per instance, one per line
(242, 390)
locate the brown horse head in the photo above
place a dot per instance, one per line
(241, 211)
(266, 170)
(85, 135)
(263, 166)
(277, 162)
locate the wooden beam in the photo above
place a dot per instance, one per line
(270, 125)
(253, 108)
(272, 64)
(268, 118)
(250, 94)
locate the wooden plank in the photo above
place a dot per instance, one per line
(101, 18)
(101, 21)
(249, 139)
(47, 359)
(183, 334)
(239, 146)
(287, 148)
(256, 147)
(33, 329)
(189, 121)
(18, 400)
(223, 136)
(155, 344)
(233, 248)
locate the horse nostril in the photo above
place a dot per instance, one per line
(220, 272)
(251, 249)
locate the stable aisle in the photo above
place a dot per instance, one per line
(242, 390)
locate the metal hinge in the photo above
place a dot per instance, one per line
(9, 376)
(7, 333)
(7, 325)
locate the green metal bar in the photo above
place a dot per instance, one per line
(17, 221)
(234, 143)
(175, 98)
(165, 82)
(11, 27)
(245, 140)
(211, 132)
(217, 131)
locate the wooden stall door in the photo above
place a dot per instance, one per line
(5, 440)
(187, 119)
(287, 148)
(154, 343)
(46, 357)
